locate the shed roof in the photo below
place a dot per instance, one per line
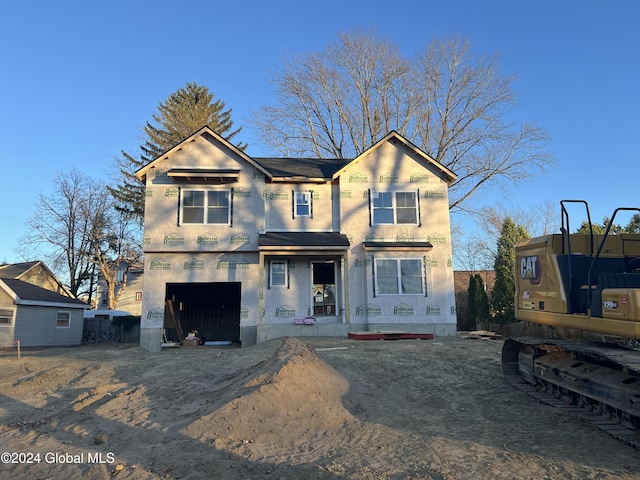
(321, 169)
(24, 293)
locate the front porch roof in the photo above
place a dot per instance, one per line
(303, 241)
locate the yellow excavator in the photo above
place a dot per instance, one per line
(572, 283)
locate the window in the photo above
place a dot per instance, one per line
(399, 277)
(302, 204)
(63, 320)
(205, 206)
(278, 274)
(395, 208)
(6, 318)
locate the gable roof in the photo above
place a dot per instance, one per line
(209, 134)
(394, 137)
(14, 270)
(23, 293)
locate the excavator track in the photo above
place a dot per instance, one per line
(549, 370)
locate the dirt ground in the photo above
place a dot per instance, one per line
(312, 408)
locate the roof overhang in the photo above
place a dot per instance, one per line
(397, 246)
(302, 241)
(203, 175)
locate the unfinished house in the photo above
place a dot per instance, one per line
(246, 249)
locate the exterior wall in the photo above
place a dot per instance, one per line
(35, 326)
(130, 300)
(279, 202)
(183, 253)
(41, 277)
(7, 332)
(392, 169)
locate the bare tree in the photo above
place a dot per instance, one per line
(115, 250)
(77, 229)
(60, 228)
(455, 106)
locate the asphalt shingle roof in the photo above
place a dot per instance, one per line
(303, 239)
(27, 291)
(302, 167)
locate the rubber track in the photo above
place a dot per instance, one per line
(628, 358)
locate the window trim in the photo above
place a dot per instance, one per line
(394, 207)
(205, 206)
(398, 261)
(68, 320)
(11, 316)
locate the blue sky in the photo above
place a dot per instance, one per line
(79, 80)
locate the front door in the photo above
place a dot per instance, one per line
(324, 288)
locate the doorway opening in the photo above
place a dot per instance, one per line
(211, 309)
(324, 288)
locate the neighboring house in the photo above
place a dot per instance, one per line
(131, 298)
(38, 317)
(35, 273)
(246, 249)
(461, 280)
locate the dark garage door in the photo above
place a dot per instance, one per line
(213, 309)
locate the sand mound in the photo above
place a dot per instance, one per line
(283, 407)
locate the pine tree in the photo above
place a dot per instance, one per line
(502, 301)
(478, 300)
(183, 113)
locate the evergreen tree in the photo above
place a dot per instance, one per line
(502, 301)
(478, 300)
(179, 116)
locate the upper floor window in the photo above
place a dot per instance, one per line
(205, 206)
(302, 204)
(399, 277)
(394, 208)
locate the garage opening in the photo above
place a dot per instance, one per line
(211, 309)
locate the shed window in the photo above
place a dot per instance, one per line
(6, 317)
(63, 319)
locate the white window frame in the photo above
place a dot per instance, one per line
(285, 282)
(7, 313)
(306, 196)
(59, 319)
(394, 207)
(205, 207)
(398, 262)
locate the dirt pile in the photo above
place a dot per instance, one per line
(285, 407)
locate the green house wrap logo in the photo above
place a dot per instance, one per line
(244, 313)
(419, 178)
(285, 311)
(193, 265)
(388, 178)
(239, 238)
(434, 195)
(436, 238)
(148, 192)
(171, 192)
(160, 265)
(432, 310)
(225, 265)
(173, 239)
(241, 193)
(346, 194)
(278, 196)
(156, 313)
(358, 178)
(403, 309)
(209, 239)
